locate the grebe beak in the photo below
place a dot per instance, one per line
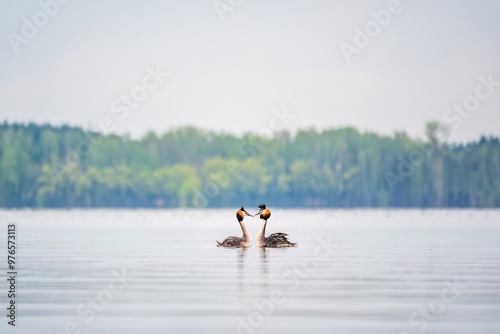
(248, 214)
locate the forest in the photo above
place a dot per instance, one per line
(63, 167)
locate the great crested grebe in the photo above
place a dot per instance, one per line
(274, 240)
(246, 240)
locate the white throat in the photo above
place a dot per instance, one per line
(246, 234)
(262, 232)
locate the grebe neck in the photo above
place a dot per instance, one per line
(262, 232)
(246, 234)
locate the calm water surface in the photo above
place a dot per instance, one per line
(158, 271)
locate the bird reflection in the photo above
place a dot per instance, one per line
(263, 261)
(240, 263)
(241, 259)
(264, 276)
(249, 277)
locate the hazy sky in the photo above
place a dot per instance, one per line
(230, 74)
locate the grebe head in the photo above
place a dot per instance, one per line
(263, 212)
(242, 213)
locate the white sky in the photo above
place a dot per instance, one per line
(228, 75)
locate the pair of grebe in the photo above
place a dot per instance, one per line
(274, 240)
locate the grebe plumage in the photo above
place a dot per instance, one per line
(237, 242)
(274, 240)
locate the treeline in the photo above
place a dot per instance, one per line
(47, 166)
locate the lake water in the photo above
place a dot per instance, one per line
(159, 271)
